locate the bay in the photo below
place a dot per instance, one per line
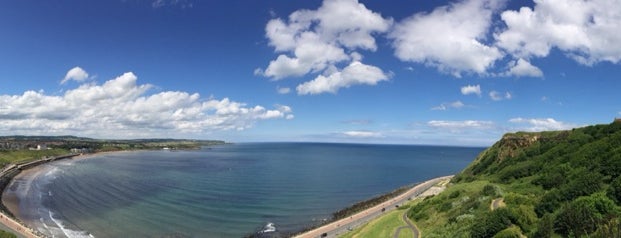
(224, 191)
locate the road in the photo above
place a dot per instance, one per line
(336, 228)
(16, 228)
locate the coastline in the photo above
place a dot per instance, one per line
(13, 203)
(11, 213)
(335, 228)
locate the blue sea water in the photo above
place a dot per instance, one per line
(228, 190)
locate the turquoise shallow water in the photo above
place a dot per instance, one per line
(225, 191)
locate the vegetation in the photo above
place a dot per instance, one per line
(12, 156)
(6, 234)
(563, 183)
(14, 149)
(385, 226)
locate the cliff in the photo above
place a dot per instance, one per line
(565, 183)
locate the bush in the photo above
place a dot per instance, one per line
(514, 199)
(524, 216)
(549, 202)
(585, 214)
(546, 227)
(614, 190)
(489, 190)
(511, 232)
(445, 206)
(492, 223)
(455, 194)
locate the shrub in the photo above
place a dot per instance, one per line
(546, 227)
(583, 215)
(492, 223)
(511, 232)
(489, 190)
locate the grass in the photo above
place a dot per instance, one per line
(458, 199)
(384, 226)
(13, 156)
(6, 234)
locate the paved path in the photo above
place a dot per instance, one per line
(342, 226)
(411, 226)
(17, 228)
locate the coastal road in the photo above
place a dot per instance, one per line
(336, 228)
(16, 228)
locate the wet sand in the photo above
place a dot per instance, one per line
(21, 197)
(20, 186)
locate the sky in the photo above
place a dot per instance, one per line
(356, 71)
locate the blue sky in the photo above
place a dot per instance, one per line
(405, 72)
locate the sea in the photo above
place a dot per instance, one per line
(223, 191)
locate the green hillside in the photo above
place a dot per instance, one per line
(547, 184)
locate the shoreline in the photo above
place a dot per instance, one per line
(333, 229)
(10, 202)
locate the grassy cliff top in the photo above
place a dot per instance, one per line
(561, 183)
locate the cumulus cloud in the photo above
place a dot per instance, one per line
(497, 96)
(76, 74)
(471, 89)
(541, 124)
(522, 67)
(587, 31)
(450, 38)
(363, 134)
(318, 41)
(446, 106)
(460, 125)
(121, 107)
(354, 74)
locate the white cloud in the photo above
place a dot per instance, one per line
(497, 96)
(283, 90)
(317, 41)
(446, 106)
(76, 74)
(450, 38)
(541, 124)
(522, 67)
(122, 108)
(460, 125)
(471, 89)
(587, 31)
(358, 122)
(354, 74)
(183, 4)
(363, 134)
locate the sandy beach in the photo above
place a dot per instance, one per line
(19, 199)
(20, 186)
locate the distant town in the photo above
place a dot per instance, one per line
(17, 148)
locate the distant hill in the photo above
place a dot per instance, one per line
(545, 184)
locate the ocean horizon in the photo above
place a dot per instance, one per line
(221, 191)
